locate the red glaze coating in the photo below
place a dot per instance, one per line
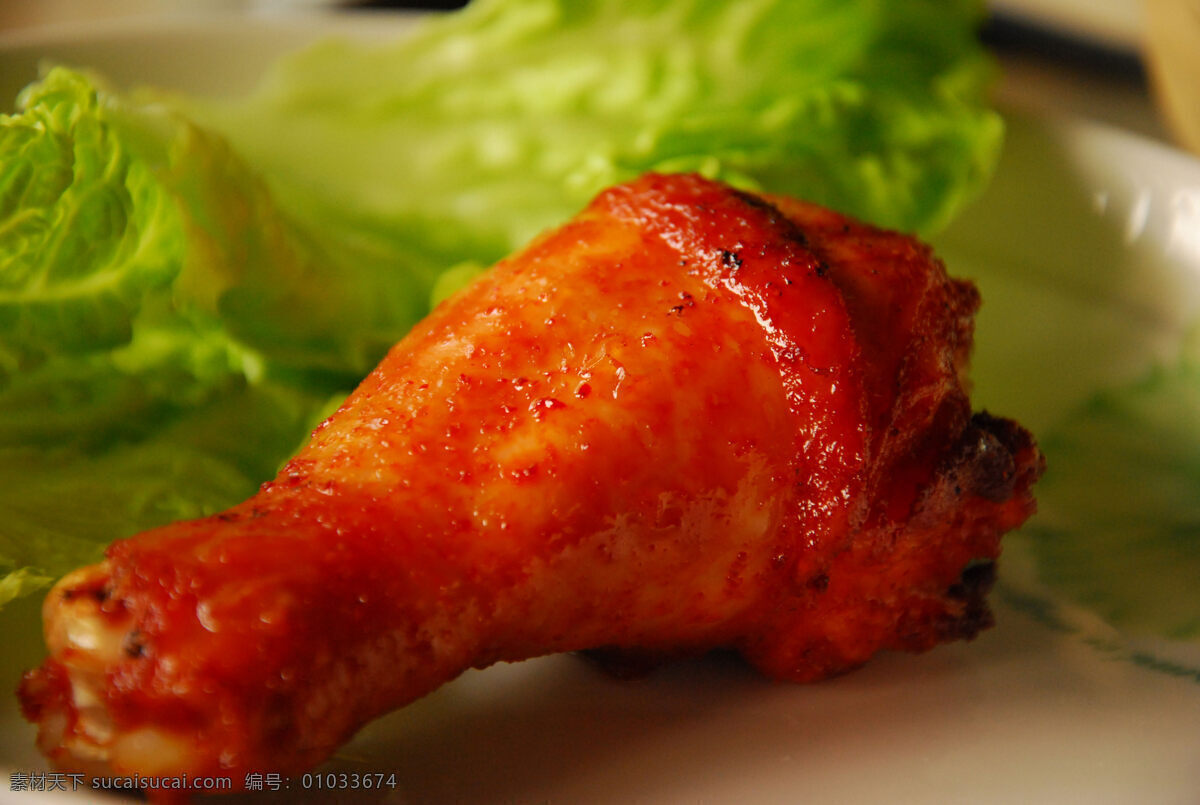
(689, 418)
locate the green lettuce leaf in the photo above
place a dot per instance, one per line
(61, 507)
(482, 128)
(186, 283)
(167, 335)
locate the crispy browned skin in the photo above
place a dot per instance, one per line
(690, 418)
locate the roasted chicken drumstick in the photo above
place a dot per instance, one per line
(690, 418)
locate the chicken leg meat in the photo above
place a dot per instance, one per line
(690, 418)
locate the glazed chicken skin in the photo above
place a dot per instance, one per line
(690, 418)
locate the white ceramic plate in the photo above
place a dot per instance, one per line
(1087, 251)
